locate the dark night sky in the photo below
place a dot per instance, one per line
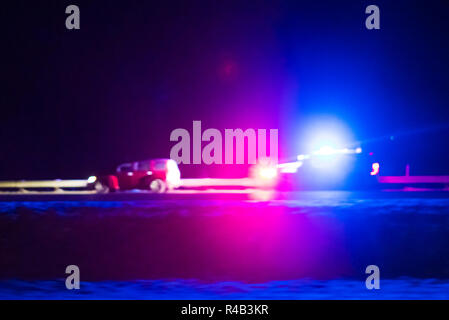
(79, 102)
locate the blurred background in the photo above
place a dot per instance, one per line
(80, 102)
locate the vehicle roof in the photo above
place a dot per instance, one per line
(152, 159)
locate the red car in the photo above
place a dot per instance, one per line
(157, 175)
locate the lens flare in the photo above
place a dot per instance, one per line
(267, 172)
(375, 168)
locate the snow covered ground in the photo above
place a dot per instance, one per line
(313, 245)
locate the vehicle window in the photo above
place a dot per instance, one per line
(127, 167)
(143, 166)
(160, 165)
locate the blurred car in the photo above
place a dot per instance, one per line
(407, 163)
(324, 169)
(156, 175)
